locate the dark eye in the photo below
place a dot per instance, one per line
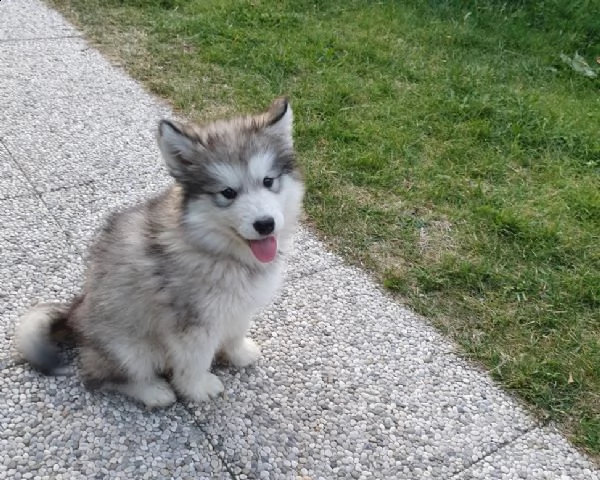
(268, 182)
(229, 193)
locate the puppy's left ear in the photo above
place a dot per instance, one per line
(180, 152)
(279, 117)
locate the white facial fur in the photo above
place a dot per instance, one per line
(216, 158)
(227, 229)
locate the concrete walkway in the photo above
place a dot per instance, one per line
(351, 385)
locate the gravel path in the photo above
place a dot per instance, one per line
(351, 384)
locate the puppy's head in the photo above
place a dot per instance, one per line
(242, 190)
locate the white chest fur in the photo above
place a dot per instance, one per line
(227, 295)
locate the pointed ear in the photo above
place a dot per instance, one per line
(177, 148)
(279, 117)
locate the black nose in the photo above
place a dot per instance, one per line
(265, 225)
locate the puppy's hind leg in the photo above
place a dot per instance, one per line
(138, 381)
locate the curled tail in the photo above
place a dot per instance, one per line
(39, 335)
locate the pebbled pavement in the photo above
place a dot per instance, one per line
(350, 385)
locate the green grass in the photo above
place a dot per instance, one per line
(446, 147)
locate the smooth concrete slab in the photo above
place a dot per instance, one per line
(38, 264)
(52, 428)
(26, 19)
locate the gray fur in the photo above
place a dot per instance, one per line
(38, 337)
(173, 281)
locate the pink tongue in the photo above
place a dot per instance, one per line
(264, 250)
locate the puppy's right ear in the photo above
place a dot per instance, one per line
(179, 151)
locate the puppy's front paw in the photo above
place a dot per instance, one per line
(243, 353)
(154, 394)
(203, 388)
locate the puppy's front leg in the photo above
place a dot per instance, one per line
(190, 357)
(241, 351)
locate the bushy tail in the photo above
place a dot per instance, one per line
(39, 335)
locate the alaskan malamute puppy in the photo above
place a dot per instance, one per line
(174, 281)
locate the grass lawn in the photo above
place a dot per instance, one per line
(447, 148)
